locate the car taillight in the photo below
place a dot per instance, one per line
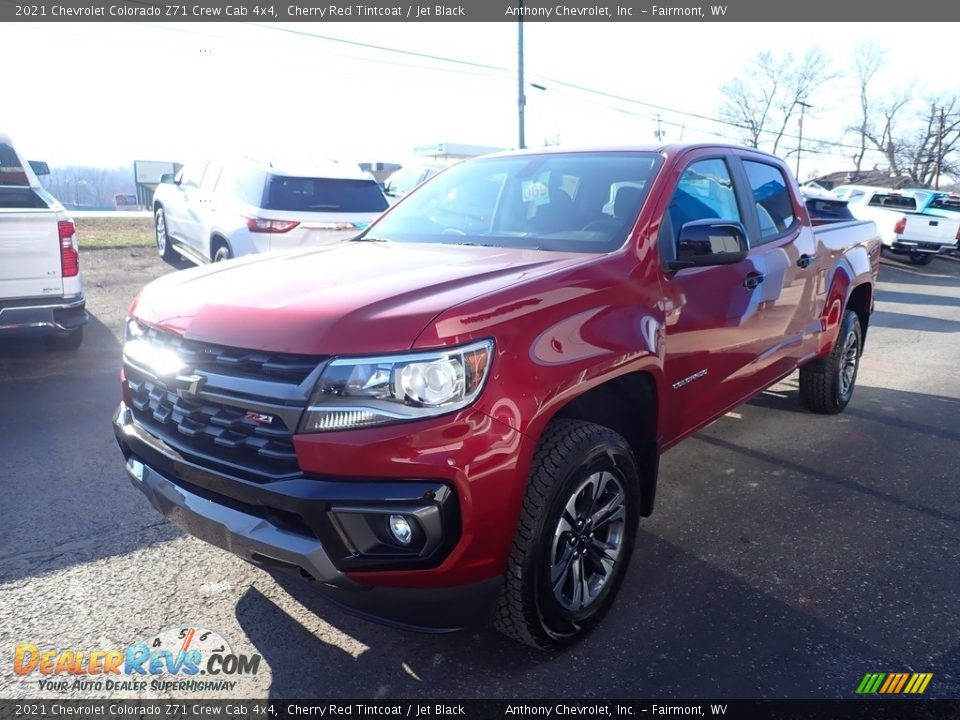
(900, 226)
(69, 257)
(277, 226)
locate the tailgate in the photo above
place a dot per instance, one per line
(927, 228)
(29, 254)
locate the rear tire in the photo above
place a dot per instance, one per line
(220, 250)
(67, 342)
(574, 537)
(826, 385)
(921, 258)
(161, 236)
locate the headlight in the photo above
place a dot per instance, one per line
(362, 392)
(138, 349)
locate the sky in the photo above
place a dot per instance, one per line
(109, 93)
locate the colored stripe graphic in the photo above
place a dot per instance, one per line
(894, 683)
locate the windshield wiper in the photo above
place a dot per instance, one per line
(369, 238)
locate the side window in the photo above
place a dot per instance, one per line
(704, 192)
(210, 176)
(191, 174)
(249, 186)
(771, 197)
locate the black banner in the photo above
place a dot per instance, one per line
(473, 11)
(47, 709)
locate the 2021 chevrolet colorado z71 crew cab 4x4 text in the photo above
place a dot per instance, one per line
(463, 407)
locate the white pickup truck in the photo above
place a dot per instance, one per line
(903, 230)
(40, 284)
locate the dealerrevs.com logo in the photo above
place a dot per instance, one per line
(182, 658)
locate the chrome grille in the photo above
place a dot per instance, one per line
(239, 419)
(236, 361)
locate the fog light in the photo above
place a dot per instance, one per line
(400, 529)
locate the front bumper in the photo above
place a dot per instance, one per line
(63, 316)
(296, 528)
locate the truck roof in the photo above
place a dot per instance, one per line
(660, 148)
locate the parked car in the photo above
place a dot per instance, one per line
(215, 210)
(461, 413)
(405, 179)
(903, 229)
(40, 284)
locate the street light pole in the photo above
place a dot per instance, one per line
(521, 99)
(803, 106)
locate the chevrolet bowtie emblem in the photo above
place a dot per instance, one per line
(189, 385)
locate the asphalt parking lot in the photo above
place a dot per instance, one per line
(789, 553)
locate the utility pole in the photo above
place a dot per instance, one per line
(803, 106)
(659, 133)
(936, 180)
(521, 99)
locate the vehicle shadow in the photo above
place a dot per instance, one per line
(938, 274)
(58, 480)
(893, 296)
(681, 628)
(906, 321)
(789, 554)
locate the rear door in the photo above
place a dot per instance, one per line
(784, 251)
(29, 237)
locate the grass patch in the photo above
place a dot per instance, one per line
(96, 233)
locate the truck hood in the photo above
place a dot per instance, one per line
(350, 298)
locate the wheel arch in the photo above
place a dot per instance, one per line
(217, 239)
(860, 301)
(628, 405)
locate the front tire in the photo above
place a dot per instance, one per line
(921, 258)
(162, 237)
(574, 537)
(826, 385)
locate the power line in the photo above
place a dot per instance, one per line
(557, 81)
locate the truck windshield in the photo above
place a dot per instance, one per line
(573, 202)
(11, 171)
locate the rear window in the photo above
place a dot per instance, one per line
(827, 211)
(323, 195)
(11, 171)
(894, 202)
(21, 198)
(946, 203)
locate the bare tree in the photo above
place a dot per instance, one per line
(767, 96)
(931, 148)
(868, 59)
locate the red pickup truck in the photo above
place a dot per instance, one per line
(458, 414)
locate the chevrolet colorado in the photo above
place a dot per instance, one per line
(40, 285)
(459, 413)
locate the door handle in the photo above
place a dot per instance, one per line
(752, 280)
(806, 261)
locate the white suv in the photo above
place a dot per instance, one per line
(40, 285)
(217, 210)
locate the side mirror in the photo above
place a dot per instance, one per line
(167, 179)
(710, 242)
(39, 167)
